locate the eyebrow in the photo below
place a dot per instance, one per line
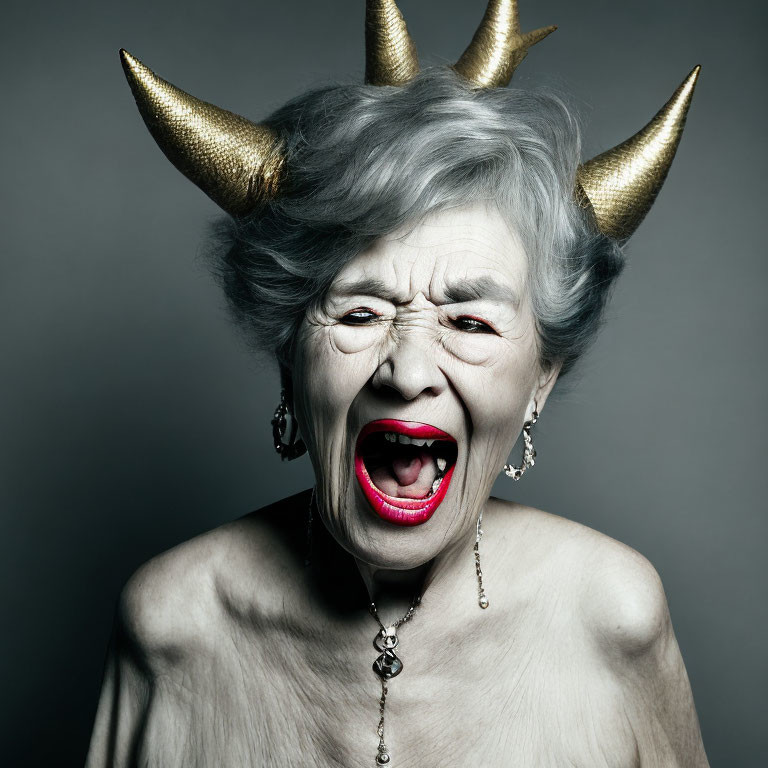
(476, 288)
(470, 289)
(366, 286)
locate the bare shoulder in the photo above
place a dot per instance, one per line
(617, 592)
(178, 601)
(610, 596)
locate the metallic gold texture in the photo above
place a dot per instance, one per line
(235, 162)
(390, 54)
(621, 184)
(498, 47)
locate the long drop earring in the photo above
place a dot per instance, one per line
(529, 459)
(482, 600)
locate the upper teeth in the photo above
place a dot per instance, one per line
(396, 437)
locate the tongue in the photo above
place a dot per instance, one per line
(408, 476)
(407, 469)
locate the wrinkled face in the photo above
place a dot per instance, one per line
(412, 381)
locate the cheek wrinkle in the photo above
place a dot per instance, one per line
(332, 343)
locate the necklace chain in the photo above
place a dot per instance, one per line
(399, 623)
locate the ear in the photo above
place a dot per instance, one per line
(544, 385)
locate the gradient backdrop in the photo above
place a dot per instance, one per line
(133, 419)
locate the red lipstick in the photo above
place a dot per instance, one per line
(396, 509)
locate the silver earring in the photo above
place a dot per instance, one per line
(482, 600)
(295, 446)
(529, 452)
(529, 459)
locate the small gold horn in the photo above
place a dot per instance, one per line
(237, 163)
(498, 47)
(390, 54)
(621, 184)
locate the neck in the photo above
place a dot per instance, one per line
(389, 587)
(392, 591)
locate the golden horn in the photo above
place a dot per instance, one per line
(390, 54)
(234, 161)
(621, 184)
(498, 47)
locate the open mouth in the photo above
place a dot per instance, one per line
(404, 468)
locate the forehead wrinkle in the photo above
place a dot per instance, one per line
(432, 259)
(441, 287)
(507, 258)
(460, 245)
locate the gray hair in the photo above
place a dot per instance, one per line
(365, 161)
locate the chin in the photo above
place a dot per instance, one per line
(386, 543)
(392, 547)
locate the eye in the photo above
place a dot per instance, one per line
(359, 316)
(472, 325)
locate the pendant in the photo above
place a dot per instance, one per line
(382, 757)
(388, 665)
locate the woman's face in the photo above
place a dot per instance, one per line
(412, 381)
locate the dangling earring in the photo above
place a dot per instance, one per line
(529, 459)
(529, 452)
(482, 600)
(295, 446)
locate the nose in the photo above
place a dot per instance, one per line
(410, 366)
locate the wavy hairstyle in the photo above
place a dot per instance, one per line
(365, 161)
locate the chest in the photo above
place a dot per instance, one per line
(289, 699)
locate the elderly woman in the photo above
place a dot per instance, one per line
(424, 257)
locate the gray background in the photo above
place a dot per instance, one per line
(132, 418)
